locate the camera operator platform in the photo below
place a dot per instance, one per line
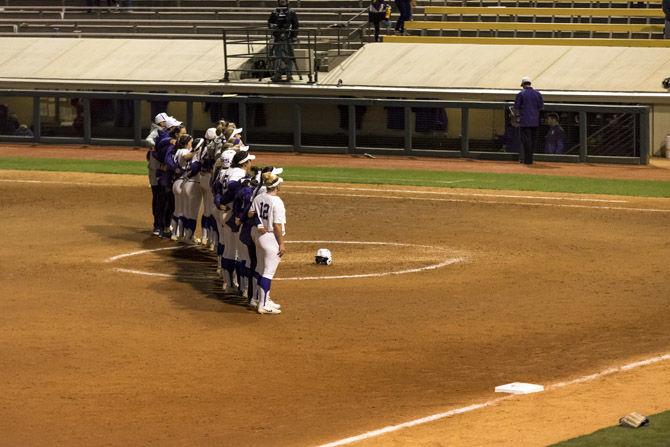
(283, 23)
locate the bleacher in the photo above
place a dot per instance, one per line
(600, 22)
(341, 21)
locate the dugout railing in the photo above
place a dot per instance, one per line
(437, 128)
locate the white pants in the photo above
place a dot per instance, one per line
(220, 217)
(178, 216)
(192, 197)
(244, 266)
(267, 252)
(207, 223)
(230, 243)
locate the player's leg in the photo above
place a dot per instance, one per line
(163, 206)
(204, 179)
(218, 220)
(176, 193)
(228, 260)
(156, 209)
(243, 267)
(193, 198)
(258, 268)
(253, 262)
(181, 214)
(269, 252)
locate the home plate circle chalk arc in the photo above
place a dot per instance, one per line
(445, 262)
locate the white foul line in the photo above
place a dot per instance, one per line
(488, 202)
(469, 408)
(434, 417)
(466, 194)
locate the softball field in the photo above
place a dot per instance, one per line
(110, 336)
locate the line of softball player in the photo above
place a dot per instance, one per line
(243, 218)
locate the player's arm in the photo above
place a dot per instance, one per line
(254, 213)
(218, 194)
(150, 140)
(278, 228)
(279, 220)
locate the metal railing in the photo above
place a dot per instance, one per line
(260, 44)
(353, 137)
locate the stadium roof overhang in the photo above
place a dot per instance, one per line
(255, 88)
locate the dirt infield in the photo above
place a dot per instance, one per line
(546, 292)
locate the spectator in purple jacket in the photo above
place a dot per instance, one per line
(554, 142)
(528, 104)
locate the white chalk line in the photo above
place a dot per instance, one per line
(434, 417)
(487, 202)
(344, 179)
(446, 262)
(409, 191)
(469, 408)
(143, 273)
(413, 191)
(54, 182)
(449, 193)
(609, 371)
(140, 252)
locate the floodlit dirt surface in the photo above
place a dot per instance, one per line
(549, 288)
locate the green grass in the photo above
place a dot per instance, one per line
(656, 434)
(475, 180)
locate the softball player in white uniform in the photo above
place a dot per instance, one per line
(191, 194)
(269, 234)
(230, 185)
(206, 158)
(219, 210)
(182, 158)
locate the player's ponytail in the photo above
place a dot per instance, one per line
(270, 180)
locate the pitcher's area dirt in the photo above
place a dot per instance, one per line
(93, 356)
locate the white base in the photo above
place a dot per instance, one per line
(519, 388)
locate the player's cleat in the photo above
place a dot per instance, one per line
(270, 303)
(174, 237)
(156, 232)
(253, 303)
(268, 310)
